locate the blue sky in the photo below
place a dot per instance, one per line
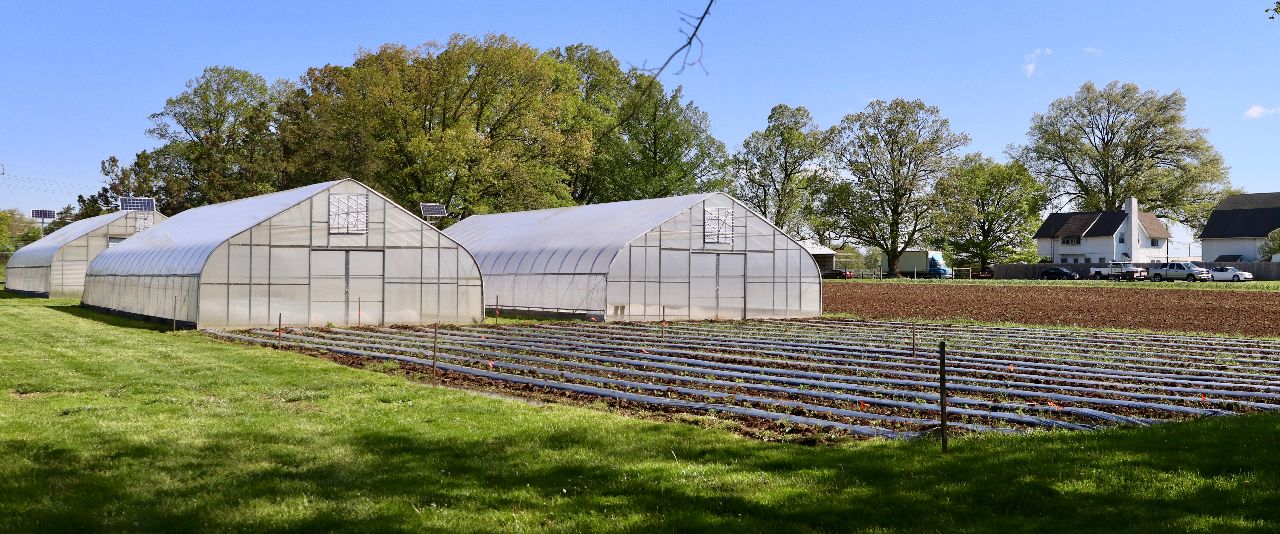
(77, 81)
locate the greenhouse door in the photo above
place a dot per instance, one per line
(718, 286)
(346, 287)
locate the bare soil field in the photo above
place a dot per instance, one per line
(1253, 313)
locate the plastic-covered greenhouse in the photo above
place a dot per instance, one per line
(335, 252)
(54, 265)
(703, 256)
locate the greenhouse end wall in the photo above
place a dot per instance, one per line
(327, 253)
(64, 276)
(735, 267)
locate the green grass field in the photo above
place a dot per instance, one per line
(1269, 285)
(107, 424)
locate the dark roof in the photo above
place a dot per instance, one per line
(1227, 258)
(1153, 225)
(1250, 201)
(1254, 215)
(1080, 223)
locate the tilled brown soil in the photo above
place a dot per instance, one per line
(1252, 313)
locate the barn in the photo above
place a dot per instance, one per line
(54, 265)
(704, 256)
(335, 252)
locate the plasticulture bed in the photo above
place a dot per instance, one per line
(1250, 313)
(865, 379)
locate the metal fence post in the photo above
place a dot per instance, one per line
(175, 313)
(942, 390)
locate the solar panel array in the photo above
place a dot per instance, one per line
(432, 210)
(137, 204)
(43, 214)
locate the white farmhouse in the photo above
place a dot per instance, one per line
(1238, 225)
(1103, 236)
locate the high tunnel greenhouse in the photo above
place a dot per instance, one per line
(704, 256)
(55, 265)
(334, 252)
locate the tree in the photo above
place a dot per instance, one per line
(890, 155)
(988, 211)
(1097, 148)
(1273, 11)
(1270, 246)
(779, 168)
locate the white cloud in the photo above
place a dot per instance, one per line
(1033, 58)
(1093, 50)
(1257, 112)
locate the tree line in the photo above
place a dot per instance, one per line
(491, 124)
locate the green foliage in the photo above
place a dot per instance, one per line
(1270, 246)
(778, 170)
(6, 234)
(1273, 11)
(891, 155)
(1098, 147)
(988, 211)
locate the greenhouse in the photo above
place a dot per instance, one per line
(704, 256)
(335, 252)
(54, 265)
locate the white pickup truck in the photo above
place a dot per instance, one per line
(1180, 270)
(1118, 270)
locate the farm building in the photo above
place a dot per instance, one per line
(1238, 225)
(1103, 236)
(334, 252)
(54, 265)
(822, 254)
(704, 256)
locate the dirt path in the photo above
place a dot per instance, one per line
(1254, 313)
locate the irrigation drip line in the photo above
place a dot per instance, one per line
(1040, 363)
(1013, 417)
(1146, 340)
(976, 380)
(861, 430)
(995, 368)
(1109, 352)
(832, 378)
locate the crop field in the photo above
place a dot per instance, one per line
(1113, 305)
(868, 379)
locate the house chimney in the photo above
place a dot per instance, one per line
(1131, 229)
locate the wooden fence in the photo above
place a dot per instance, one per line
(1024, 271)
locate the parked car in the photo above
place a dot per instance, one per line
(837, 274)
(1229, 274)
(1180, 270)
(1059, 273)
(1118, 270)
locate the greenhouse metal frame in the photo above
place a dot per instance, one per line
(55, 265)
(329, 253)
(704, 256)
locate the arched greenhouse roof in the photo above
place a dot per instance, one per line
(40, 253)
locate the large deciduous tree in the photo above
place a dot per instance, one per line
(988, 211)
(1270, 246)
(1098, 147)
(779, 168)
(890, 155)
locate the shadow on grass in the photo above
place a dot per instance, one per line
(1209, 475)
(6, 294)
(107, 318)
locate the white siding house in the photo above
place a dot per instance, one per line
(1103, 236)
(1237, 227)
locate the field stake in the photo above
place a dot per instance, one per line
(942, 390)
(175, 313)
(435, 347)
(280, 325)
(359, 310)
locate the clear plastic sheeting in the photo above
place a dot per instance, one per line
(55, 265)
(703, 256)
(276, 259)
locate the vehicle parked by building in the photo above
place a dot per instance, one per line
(920, 264)
(1118, 270)
(1229, 274)
(837, 274)
(1059, 273)
(1179, 270)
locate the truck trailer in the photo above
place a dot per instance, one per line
(920, 264)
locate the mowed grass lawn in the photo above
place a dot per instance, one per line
(108, 425)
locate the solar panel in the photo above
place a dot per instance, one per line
(137, 204)
(43, 214)
(432, 210)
